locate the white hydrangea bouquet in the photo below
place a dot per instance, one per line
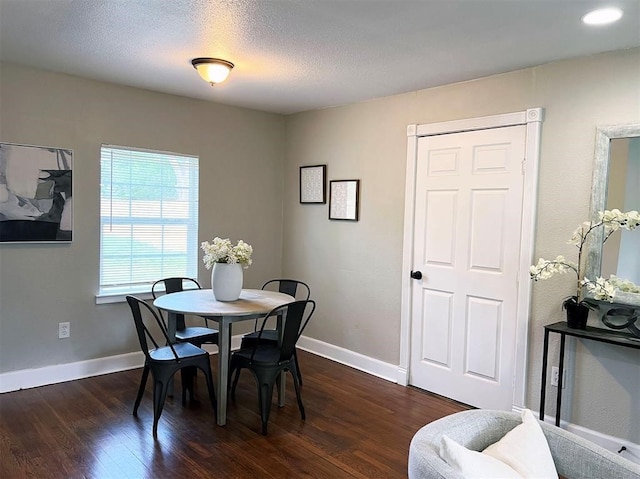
(222, 251)
(600, 289)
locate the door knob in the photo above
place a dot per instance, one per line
(416, 274)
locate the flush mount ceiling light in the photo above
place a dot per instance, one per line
(602, 16)
(212, 70)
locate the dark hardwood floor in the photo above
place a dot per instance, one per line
(357, 426)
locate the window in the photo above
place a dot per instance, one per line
(148, 219)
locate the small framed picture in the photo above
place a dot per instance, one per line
(313, 184)
(343, 199)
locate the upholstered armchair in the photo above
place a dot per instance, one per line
(476, 429)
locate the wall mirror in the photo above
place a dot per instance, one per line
(616, 184)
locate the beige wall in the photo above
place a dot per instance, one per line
(354, 268)
(241, 186)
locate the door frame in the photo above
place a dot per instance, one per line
(532, 118)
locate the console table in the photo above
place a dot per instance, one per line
(591, 333)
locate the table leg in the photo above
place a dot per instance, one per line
(560, 372)
(543, 382)
(172, 326)
(224, 351)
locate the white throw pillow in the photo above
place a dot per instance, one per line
(525, 449)
(473, 464)
(522, 453)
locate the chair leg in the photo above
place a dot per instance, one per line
(160, 389)
(265, 393)
(143, 383)
(212, 391)
(192, 384)
(187, 374)
(296, 385)
(278, 381)
(298, 373)
(195, 370)
(234, 383)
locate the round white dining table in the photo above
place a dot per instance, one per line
(253, 303)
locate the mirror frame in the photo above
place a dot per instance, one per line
(600, 184)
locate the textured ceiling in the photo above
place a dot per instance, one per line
(297, 55)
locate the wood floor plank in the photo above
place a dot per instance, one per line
(358, 426)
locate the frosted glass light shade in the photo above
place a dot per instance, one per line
(212, 70)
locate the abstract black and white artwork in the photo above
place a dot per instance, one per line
(36, 201)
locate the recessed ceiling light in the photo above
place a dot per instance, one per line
(602, 16)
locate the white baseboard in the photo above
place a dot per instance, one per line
(610, 443)
(31, 378)
(355, 360)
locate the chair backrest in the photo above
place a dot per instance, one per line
(292, 287)
(296, 317)
(139, 309)
(172, 285)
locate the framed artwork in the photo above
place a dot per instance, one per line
(36, 199)
(313, 184)
(343, 199)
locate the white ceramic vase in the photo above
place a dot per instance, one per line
(226, 281)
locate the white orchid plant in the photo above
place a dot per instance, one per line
(599, 289)
(624, 285)
(222, 251)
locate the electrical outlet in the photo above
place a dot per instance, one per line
(555, 377)
(64, 330)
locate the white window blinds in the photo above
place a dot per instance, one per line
(148, 218)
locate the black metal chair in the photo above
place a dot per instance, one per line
(196, 335)
(267, 360)
(164, 361)
(298, 290)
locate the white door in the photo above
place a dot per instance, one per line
(468, 214)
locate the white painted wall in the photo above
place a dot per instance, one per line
(354, 268)
(240, 197)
